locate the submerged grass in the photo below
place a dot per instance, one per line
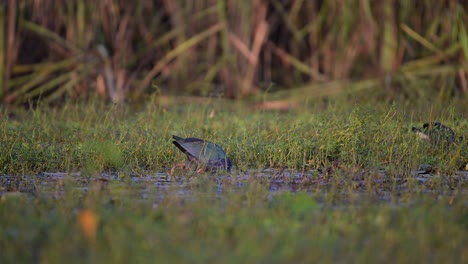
(358, 200)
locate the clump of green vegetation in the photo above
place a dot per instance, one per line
(96, 137)
(308, 184)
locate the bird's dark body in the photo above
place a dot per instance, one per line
(203, 153)
(436, 133)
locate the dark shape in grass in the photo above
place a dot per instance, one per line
(204, 154)
(436, 133)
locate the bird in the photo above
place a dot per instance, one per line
(436, 133)
(205, 154)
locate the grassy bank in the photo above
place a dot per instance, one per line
(352, 192)
(98, 137)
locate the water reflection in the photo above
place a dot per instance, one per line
(160, 185)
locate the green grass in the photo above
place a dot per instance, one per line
(242, 227)
(97, 137)
(358, 200)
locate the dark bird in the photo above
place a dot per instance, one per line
(205, 154)
(436, 133)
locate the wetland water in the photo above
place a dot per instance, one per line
(156, 186)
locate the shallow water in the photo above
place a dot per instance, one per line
(157, 186)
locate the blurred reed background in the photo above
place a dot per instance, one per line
(57, 50)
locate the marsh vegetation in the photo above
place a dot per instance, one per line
(313, 102)
(329, 183)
